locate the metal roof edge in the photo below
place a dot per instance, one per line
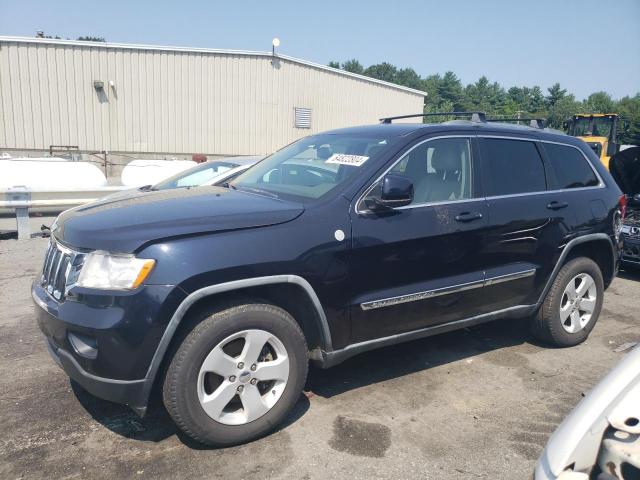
(134, 46)
(350, 74)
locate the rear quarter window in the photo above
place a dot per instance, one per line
(512, 167)
(569, 167)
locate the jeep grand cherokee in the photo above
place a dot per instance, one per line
(339, 243)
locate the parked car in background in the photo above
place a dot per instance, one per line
(625, 169)
(231, 174)
(339, 243)
(140, 172)
(213, 172)
(600, 439)
(207, 173)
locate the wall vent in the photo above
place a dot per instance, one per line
(302, 117)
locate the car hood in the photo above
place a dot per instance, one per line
(124, 224)
(625, 169)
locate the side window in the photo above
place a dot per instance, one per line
(570, 167)
(440, 170)
(512, 166)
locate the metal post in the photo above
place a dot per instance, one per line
(20, 198)
(22, 223)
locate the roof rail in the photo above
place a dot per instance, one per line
(533, 122)
(479, 117)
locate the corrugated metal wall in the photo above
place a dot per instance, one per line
(175, 101)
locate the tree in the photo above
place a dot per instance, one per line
(484, 96)
(445, 93)
(430, 86)
(555, 95)
(599, 102)
(629, 110)
(443, 106)
(353, 66)
(382, 71)
(562, 110)
(529, 100)
(450, 90)
(409, 78)
(536, 100)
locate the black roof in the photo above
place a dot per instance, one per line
(403, 129)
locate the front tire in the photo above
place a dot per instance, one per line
(236, 375)
(572, 305)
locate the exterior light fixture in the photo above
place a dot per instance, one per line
(274, 43)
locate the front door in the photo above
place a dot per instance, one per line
(421, 264)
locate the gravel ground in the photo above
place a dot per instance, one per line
(477, 403)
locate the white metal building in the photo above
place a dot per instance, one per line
(170, 100)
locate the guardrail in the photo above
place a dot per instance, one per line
(22, 201)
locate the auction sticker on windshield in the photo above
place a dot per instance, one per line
(344, 159)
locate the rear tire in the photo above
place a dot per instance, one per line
(219, 388)
(572, 306)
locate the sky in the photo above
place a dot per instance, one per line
(585, 45)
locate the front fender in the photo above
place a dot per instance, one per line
(235, 285)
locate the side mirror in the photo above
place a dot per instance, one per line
(612, 149)
(395, 191)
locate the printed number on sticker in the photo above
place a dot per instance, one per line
(343, 159)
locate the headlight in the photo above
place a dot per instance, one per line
(114, 272)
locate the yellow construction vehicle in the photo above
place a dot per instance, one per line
(599, 131)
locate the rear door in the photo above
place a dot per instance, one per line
(421, 264)
(571, 172)
(528, 220)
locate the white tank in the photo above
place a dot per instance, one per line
(50, 174)
(149, 172)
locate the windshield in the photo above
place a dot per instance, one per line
(311, 167)
(195, 176)
(592, 126)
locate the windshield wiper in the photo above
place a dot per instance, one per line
(260, 191)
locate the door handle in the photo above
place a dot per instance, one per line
(468, 216)
(555, 205)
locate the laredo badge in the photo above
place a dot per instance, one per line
(344, 159)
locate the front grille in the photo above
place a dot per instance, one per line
(61, 269)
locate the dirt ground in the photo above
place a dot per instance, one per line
(477, 403)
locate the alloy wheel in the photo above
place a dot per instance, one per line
(243, 377)
(578, 302)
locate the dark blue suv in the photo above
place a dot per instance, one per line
(339, 243)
